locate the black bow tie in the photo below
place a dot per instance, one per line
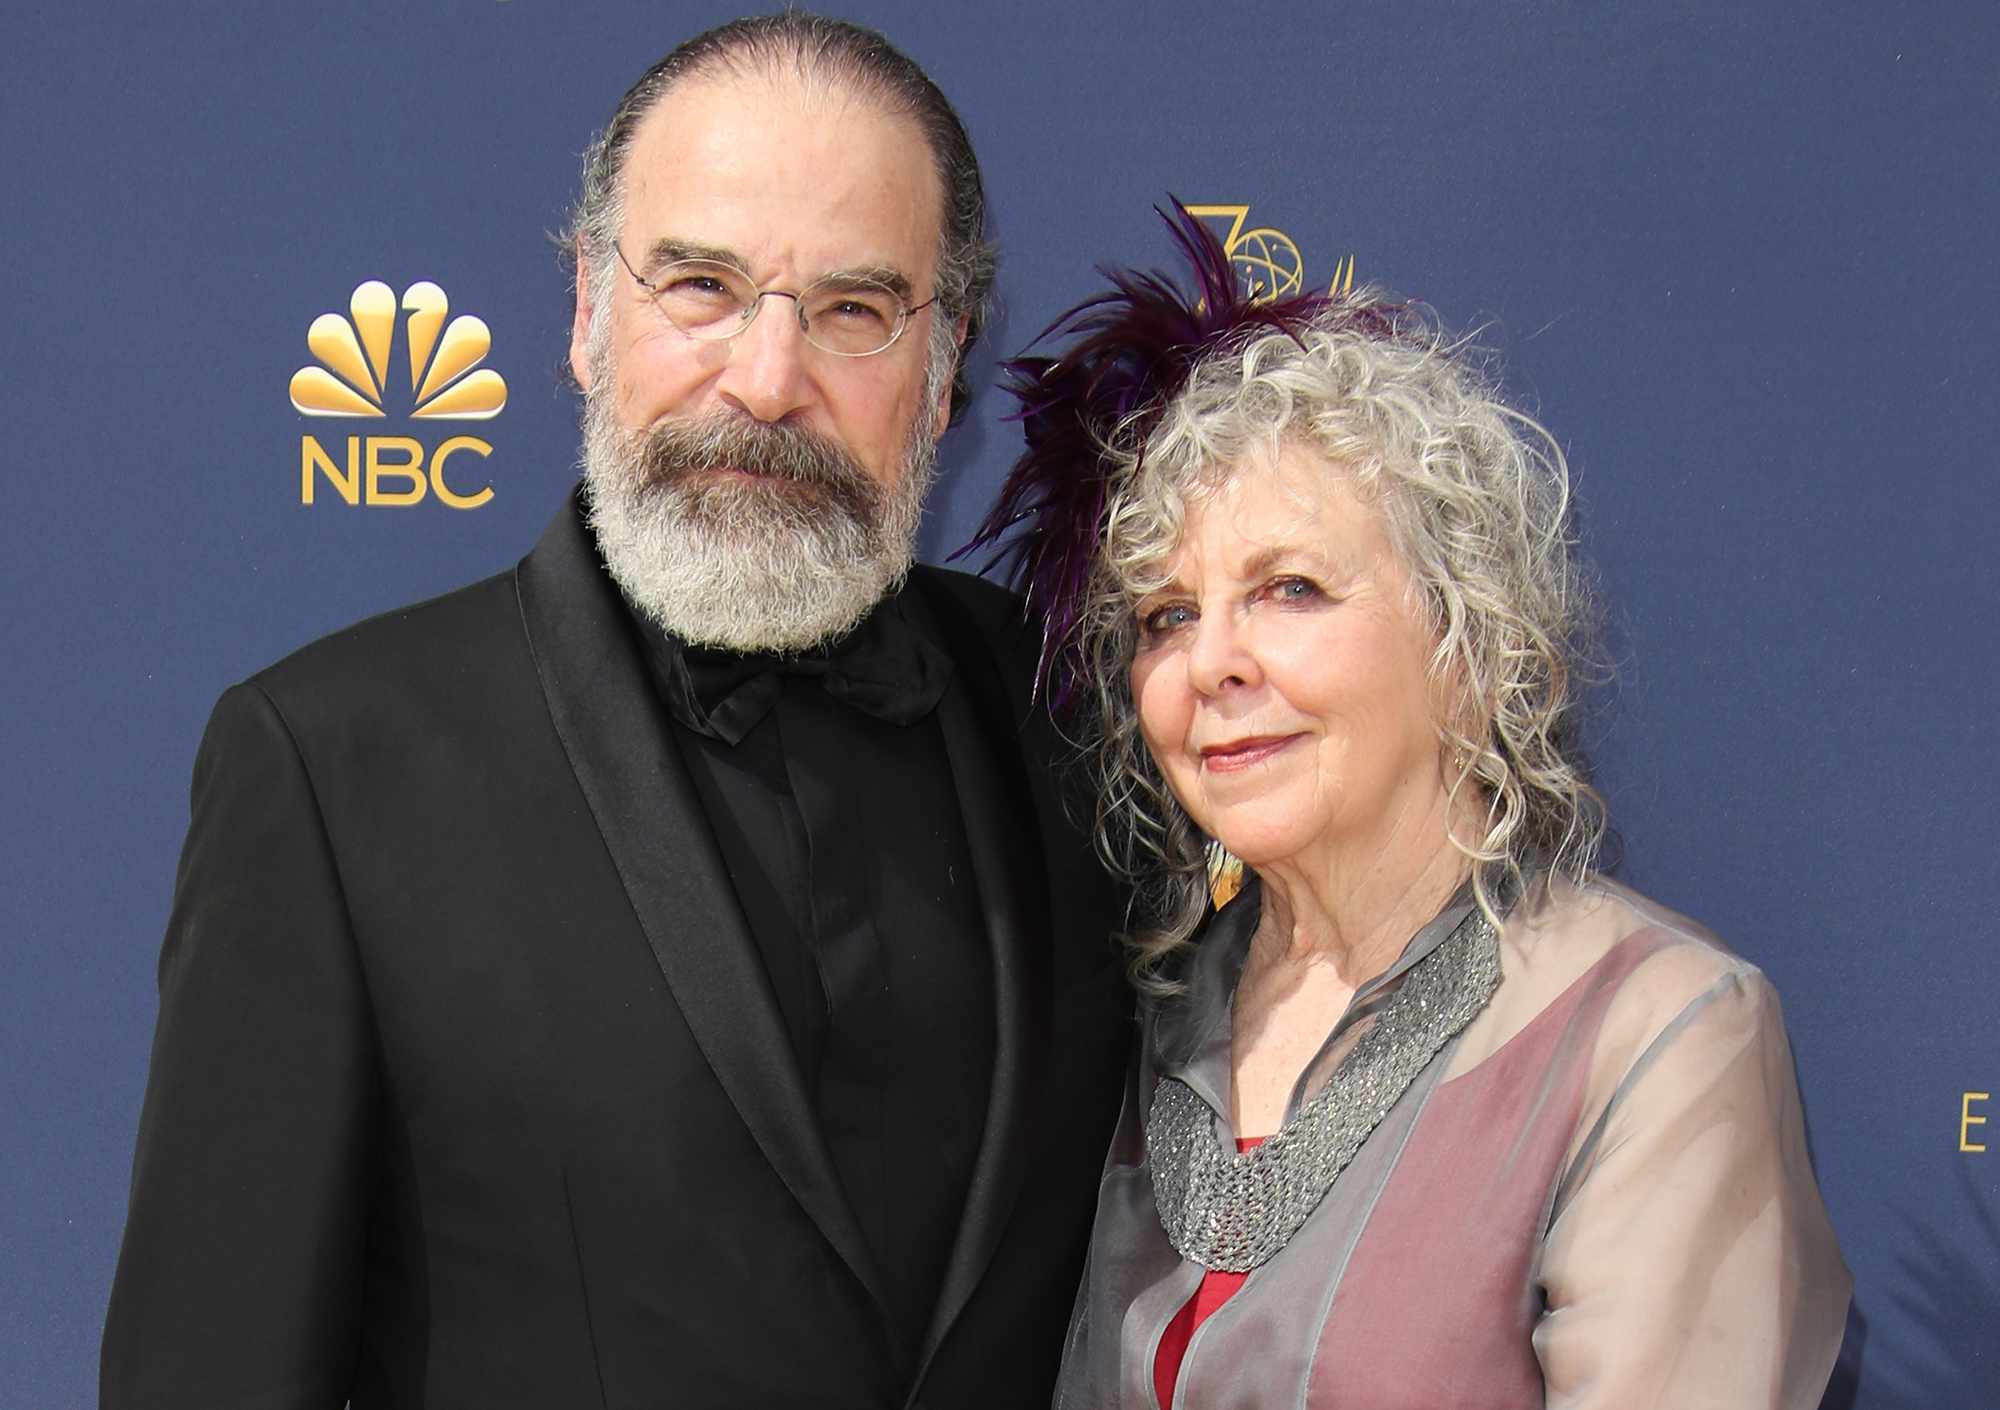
(884, 667)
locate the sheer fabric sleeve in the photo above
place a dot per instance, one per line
(1689, 1262)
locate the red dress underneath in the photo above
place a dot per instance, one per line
(1215, 1290)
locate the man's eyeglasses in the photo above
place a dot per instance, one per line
(845, 315)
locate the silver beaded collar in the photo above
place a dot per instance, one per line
(1231, 1212)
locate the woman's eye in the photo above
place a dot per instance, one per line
(1294, 590)
(1165, 619)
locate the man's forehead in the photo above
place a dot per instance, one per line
(837, 146)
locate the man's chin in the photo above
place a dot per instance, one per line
(752, 563)
(780, 557)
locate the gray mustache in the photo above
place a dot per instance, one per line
(675, 451)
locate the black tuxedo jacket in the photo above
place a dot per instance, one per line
(469, 1090)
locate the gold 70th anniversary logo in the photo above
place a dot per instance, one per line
(351, 378)
(1265, 258)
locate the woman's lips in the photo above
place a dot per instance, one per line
(1243, 753)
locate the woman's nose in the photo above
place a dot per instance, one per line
(1220, 655)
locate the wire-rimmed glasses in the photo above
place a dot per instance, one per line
(846, 315)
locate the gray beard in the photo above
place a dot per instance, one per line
(782, 562)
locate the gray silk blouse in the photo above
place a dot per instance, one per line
(1597, 1197)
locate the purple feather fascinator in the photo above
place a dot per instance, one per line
(1131, 350)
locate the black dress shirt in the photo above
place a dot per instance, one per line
(842, 835)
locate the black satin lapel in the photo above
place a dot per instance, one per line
(615, 734)
(981, 739)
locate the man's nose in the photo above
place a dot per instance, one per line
(766, 375)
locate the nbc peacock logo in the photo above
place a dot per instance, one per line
(1267, 260)
(354, 376)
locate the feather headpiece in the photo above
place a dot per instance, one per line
(1133, 350)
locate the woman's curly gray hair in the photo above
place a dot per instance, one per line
(1475, 498)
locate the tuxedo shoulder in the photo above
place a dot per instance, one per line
(996, 605)
(997, 615)
(449, 644)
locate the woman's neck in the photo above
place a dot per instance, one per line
(1354, 908)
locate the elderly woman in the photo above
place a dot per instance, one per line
(1431, 1114)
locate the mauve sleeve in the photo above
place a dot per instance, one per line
(1689, 1262)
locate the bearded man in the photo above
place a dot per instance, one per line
(662, 974)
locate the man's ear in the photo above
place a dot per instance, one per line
(579, 329)
(941, 413)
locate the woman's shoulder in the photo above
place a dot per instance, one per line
(1593, 916)
(1651, 963)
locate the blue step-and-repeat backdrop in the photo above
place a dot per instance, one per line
(1741, 257)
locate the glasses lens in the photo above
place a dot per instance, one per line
(703, 299)
(852, 318)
